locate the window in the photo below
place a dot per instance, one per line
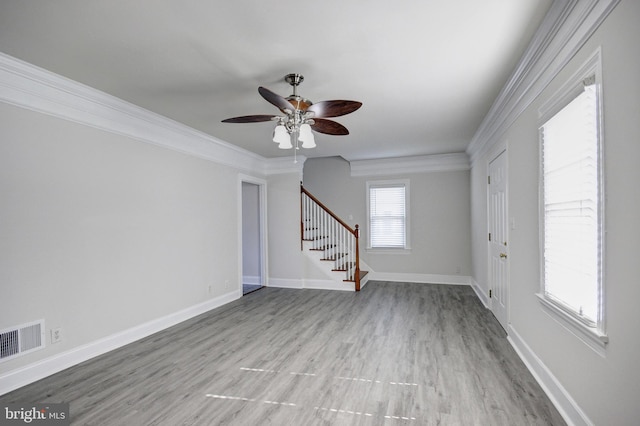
(571, 208)
(387, 211)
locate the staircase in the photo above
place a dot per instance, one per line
(323, 232)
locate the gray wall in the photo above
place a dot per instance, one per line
(606, 388)
(286, 261)
(439, 215)
(101, 233)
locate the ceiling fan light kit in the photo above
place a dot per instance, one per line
(300, 116)
(281, 136)
(306, 136)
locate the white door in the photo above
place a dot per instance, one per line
(498, 245)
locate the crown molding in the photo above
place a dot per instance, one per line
(281, 165)
(404, 165)
(565, 29)
(36, 89)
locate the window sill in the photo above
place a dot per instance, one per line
(383, 250)
(593, 338)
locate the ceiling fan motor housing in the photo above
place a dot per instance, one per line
(300, 103)
(297, 101)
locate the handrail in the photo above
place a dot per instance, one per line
(326, 209)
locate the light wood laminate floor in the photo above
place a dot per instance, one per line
(392, 354)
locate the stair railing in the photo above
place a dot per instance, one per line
(331, 235)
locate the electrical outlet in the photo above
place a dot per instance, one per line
(227, 284)
(209, 289)
(56, 335)
(458, 269)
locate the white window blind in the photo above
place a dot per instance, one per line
(387, 215)
(571, 192)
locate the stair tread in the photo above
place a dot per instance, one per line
(334, 257)
(323, 248)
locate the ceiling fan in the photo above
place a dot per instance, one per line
(300, 116)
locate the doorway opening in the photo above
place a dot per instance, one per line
(253, 270)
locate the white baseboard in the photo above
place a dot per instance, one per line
(311, 284)
(558, 395)
(420, 278)
(364, 281)
(38, 370)
(329, 285)
(285, 283)
(484, 298)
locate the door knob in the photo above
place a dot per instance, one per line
(503, 255)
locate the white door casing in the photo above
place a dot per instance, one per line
(262, 213)
(498, 241)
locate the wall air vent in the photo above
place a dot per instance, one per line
(16, 341)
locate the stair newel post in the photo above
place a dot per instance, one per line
(357, 277)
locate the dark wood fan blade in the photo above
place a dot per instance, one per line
(334, 108)
(275, 99)
(249, 119)
(329, 127)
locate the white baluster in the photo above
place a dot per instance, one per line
(305, 214)
(349, 256)
(314, 221)
(336, 241)
(329, 231)
(317, 225)
(353, 256)
(338, 249)
(321, 228)
(324, 229)
(340, 261)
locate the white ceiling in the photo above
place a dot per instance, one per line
(426, 72)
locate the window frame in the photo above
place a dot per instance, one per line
(593, 335)
(407, 222)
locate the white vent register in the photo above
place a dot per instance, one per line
(21, 339)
